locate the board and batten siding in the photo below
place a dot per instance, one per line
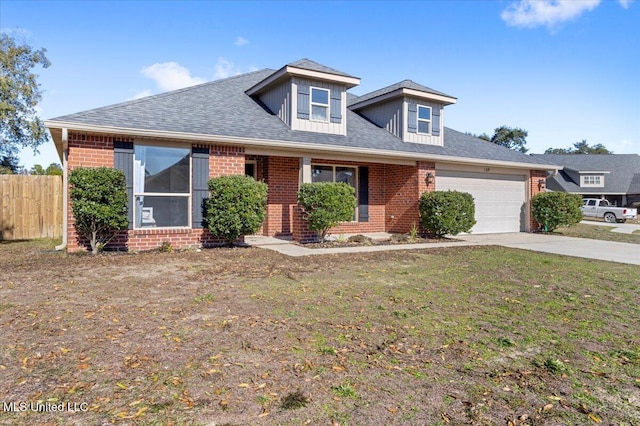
(387, 115)
(278, 100)
(430, 139)
(307, 125)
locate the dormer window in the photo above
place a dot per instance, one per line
(424, 119)
(592, 180)
(319, 104)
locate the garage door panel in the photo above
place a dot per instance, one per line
(499, 199)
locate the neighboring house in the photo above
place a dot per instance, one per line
(615, 177)
(297, 124)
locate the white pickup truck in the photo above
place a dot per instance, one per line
(594, 207)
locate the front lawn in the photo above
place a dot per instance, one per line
(479, 335)
(598, 232)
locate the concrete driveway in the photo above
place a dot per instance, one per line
(621, 228)
(568, 246)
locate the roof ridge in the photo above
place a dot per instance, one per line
(164, 94)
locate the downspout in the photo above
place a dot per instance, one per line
(65, 191)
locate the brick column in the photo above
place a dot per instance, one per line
(535, 187)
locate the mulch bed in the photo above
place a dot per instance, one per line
(363, 241)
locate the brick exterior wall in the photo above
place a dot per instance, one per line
(87, 151)
(282, 174)
(97, 151)
(394, 191)
(535, 188)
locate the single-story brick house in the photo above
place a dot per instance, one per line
(615, 177)
(292, 125)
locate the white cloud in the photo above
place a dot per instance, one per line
(225, 68)
(625, 3)
(171, 76)
(241, 41)
(550, 13)
(141, 94)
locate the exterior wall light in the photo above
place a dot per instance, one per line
(430, 179)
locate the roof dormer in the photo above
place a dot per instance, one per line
(307, 96)
(410, 111)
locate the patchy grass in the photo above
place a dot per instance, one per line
(597, 232)
(466, 335)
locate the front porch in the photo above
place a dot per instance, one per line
(387, 194)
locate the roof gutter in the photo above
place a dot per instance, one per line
(295, 146)
(65, 190)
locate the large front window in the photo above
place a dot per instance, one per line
(343, 174)
(319, 104)
(162, 186)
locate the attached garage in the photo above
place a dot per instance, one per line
(500, 199)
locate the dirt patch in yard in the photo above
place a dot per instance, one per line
(467, 335)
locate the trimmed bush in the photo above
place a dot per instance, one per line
(447, 212)
(236, 206)
(555, 209)
(99, 204)
(326, 204)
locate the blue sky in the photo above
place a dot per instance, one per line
(562, 70)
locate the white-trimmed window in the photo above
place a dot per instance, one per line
(319, 104)
(592, 180)
(424, 119)
(161, 187)
(345, 174)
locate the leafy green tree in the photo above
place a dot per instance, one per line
(447, 212)
(581, 147)
(236, 206)
(561, 151)
(37, 169)
(99, 204)
(326, 204)
(9, 164)
(555, 209)
(20, 126)
(54, 169)
(512, 138)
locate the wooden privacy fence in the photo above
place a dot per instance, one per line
(30, 207)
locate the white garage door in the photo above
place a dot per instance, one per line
(499, 198)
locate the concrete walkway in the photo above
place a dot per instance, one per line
(291, 249)
(568, 246)
(621, 228)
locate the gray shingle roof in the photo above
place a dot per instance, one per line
(222, 108)
(620, 180)
(404, 84)
(308, 64)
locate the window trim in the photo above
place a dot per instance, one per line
(312, 104)
(357, 187)
(188, 195)
(593, 181)
(429, 121)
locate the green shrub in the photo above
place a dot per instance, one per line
(326, 204)
(555, 209)
(447, 212)
(236, 206)
(99, 204)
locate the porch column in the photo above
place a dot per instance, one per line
(305, 170)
